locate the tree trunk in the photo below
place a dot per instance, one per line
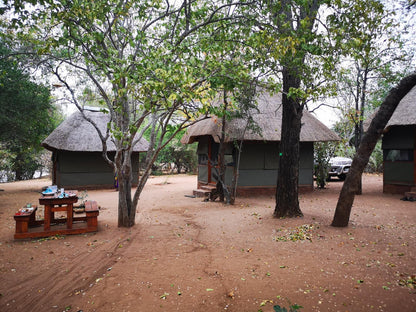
(126, 209)
(287, 202)
(360, 105)
(126, 218)
(18, 167)
(379, 122)
(236, 172)
(221, 151)
(178, 167)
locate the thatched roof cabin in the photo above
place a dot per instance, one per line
(260, 154)
(399, 147)
(268, 117)
(78, 135)
(405, 113)
(77, 152)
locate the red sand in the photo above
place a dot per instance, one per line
(187, 255)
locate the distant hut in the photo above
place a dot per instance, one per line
(260, 153)
(77, 153)
(399, 147)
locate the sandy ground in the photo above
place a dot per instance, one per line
(187, 255)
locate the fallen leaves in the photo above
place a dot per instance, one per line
(264, 302)
(408, 281)
(300, 233)
(78, 292)
(164, 296)
(55, 237)
(256, 215)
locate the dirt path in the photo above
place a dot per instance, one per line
(188, 255)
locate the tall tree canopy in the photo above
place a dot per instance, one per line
(155, 65)
(377, 57)
(147, 62)
(379, 122)
(26, 117)
(303, 44)
(300, 55)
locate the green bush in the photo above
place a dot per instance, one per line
(375, 163)
(323, 151)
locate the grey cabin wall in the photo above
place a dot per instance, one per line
(399, 169)
(202, 152)
(259, 164)
(83, 169)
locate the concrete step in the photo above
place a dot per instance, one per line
(410, 196)
(201, 192)
(207, 187)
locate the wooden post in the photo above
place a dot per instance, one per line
(209, 159)
(414, 159)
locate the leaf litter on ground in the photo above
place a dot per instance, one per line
(299, 233)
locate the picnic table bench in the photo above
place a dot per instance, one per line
(26, 218)
(91, 213)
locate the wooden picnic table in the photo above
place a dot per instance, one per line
(55, 203)
(25, 221)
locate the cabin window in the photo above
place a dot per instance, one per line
(398, 155)
(214, 153)
(229, 160)
(202, 159)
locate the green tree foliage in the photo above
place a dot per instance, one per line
(235, 85)
(26, 118)
(323, 152)
(156, 65)
(377, 56)
(183, 156)
(148, 61)
(345, 129)
(302, 43)
(346, 126)
(6, 173)
(301, 55)
(380, 120)
(375, 162)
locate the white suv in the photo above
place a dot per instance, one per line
(340, 166)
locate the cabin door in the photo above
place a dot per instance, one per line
(414, 158)
(213, 149)
(207, 160)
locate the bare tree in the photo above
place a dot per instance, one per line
(366, 147)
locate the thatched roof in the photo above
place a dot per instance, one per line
(77, 134)
(268, 118)
(405, 113)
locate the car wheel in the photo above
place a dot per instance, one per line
(342, 177)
